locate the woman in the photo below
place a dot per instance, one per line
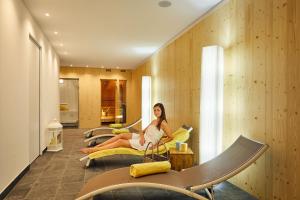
(152, 133)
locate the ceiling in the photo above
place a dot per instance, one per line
(113, 33)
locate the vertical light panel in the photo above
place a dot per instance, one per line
(146, 101)
(211, 102)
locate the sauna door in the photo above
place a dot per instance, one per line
(113, 101)
(108, 102)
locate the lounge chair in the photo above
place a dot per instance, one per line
(90, 132)
(182, 135)
(242, 153)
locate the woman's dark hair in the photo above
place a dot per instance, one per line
(162, 116)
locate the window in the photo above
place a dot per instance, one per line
(211, 102)
(146, 101)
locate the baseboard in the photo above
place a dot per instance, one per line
(14, 183)
(44, 150)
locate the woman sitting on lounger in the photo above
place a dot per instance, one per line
(152, 133)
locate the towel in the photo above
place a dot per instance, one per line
(115, 125)
(143, 169)
(118, 131)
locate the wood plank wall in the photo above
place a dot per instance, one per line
(90, 92)
(261, 86)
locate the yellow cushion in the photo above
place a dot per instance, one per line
(115, 125)
(180, 135)
(118, 131)
(143, 169)
(115, 151)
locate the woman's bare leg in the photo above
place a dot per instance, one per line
(126, 136)
(118, 143)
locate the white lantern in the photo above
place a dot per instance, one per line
(55, 136)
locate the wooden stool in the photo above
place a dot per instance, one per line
(181, 160)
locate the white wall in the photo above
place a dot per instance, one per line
(16, 24)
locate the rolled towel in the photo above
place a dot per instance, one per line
(118, 131)
(143, 169)
(115, 125)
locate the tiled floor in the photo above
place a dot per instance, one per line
(61, 175)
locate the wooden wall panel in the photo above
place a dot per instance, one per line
(89, 92)
(261, 86)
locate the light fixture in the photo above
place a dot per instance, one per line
(118, 67)
(164, 4)
(86, 66)
(61, 44)
(102, 67)
(71, 65)
(47, 14)
(55, 32)
(61, 81)
(211, 102)
(146, 101)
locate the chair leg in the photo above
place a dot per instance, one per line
(210, 193)
(87, 164)
(92, 143)
(90, 134)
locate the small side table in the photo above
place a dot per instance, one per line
(181, 160)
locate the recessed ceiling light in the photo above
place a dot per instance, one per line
(164, 4)
(71, 65)
(87, 66)
(61, 80)
(47, 14)
(61, 44)
(55, 32)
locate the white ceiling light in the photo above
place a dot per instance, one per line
(47, 14)
(87, 66)
(55, 32)
(164, 4)
(61, 81)
(71, 65)
(144, 50)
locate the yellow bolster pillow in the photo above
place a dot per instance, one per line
(143, 169)
(118, 131)
(115, 125)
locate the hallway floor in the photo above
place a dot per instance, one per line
(61, 175)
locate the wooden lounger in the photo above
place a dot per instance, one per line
(90, 132)
(242, 153)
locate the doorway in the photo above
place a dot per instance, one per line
(69, 102)
(34, 99)
(113, 101)
(108, 103)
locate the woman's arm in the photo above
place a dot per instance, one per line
(165, 127)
